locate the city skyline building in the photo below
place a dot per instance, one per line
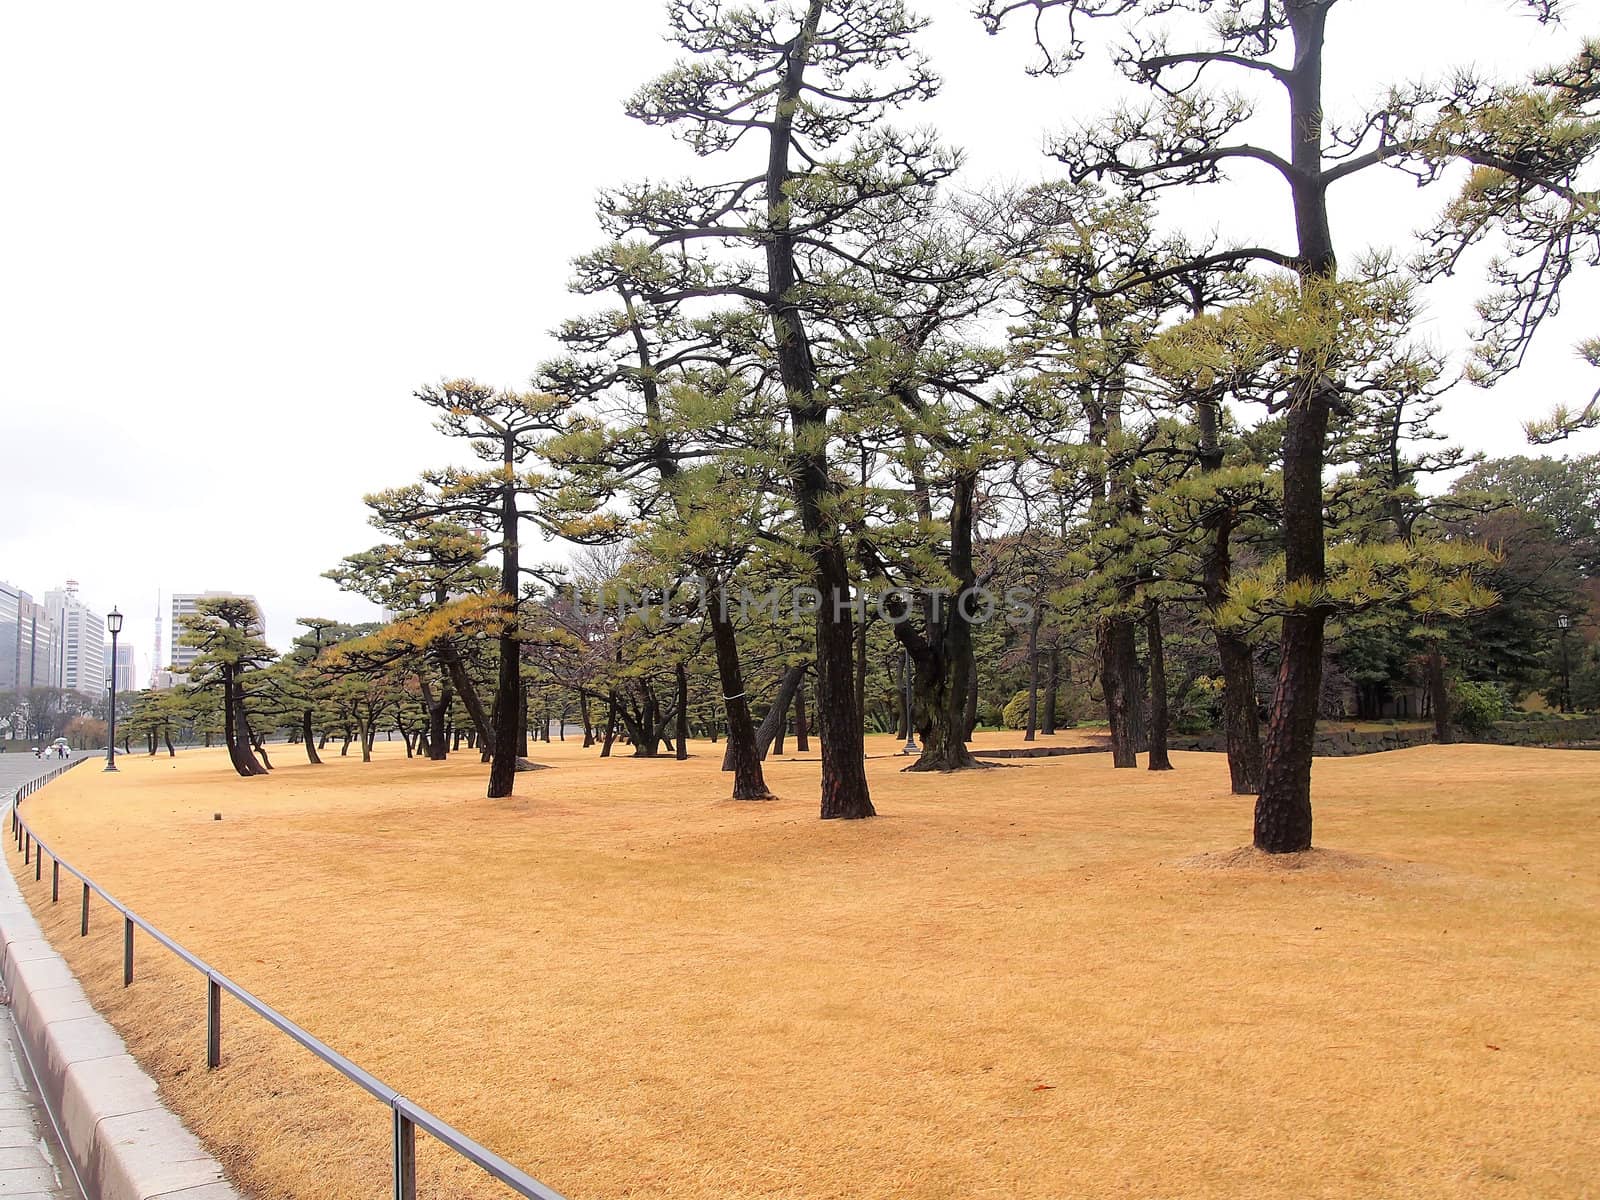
(125, 668)
(37, 661)
(11, 598)
(81, 634)
(186, 604)
(27, 641)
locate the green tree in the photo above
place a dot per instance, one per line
(1564, 492)
(805, 89)
(225, 632)
(505, 430)
(1190, 133)
(685, 420)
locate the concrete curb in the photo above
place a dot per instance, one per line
(125, 1143)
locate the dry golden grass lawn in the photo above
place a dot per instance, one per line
(1042, 981)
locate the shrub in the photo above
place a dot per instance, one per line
(1015, 714)
(1477, 706)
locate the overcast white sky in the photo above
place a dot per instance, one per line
(235, 237)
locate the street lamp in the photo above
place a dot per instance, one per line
(911, 746)
(114, 624)
(1563, 623)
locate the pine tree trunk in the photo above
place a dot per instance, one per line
(1241, 726)
(1241, 723)
(1283, 808)
(1439, 697)
(741, 755)
(802, 742)
(683, 712)
(435, 745)
(509, 710)
(1033, 678)
(845, 794)
(230, 736)
(468, 691)
(1159, 760)
(611, 726)
(245, 762)
(902, 722)
(1052, 687)
(1118, 670)
(940, 685)
(308, 737)
(944, 662)
(970, 717)
(772, 723)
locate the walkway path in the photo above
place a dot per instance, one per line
(32, 1163)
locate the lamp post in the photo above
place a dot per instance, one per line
(1563, 623)
(114, 624)
(911, 746)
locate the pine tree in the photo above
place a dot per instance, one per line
(226, 633)
(806, 86)
(1190, 133)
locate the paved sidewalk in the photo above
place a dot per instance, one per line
(17, 768)
(32, 1163)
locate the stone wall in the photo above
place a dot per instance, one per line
(1343, 744)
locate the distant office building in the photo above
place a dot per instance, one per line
(28, 651)
(81, 638)
(186, 604)
(10, 634)
(38, 664)
(125, 677)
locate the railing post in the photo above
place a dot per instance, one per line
(55, 880)
(83, 926)
(38, 866)
(127, 950)
(405, 1157)
(213, 1024)
(27, 848)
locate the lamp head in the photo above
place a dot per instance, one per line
(114, 621)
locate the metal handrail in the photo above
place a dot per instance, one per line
(408, 1116)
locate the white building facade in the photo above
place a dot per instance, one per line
(186, 604)
(81, 640)
(125, 668)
